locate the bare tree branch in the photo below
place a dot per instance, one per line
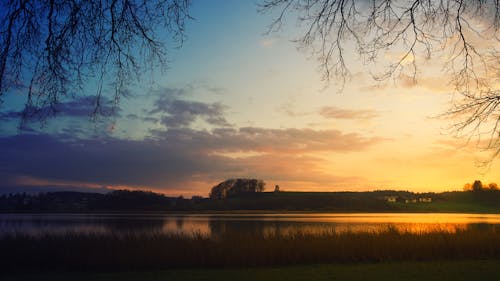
(59, 45)
(465, 32)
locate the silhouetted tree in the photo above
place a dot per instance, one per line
(50, 48)
(464, 33)
(477, 186)
(260, 185)
(234, 187)
(493, 186)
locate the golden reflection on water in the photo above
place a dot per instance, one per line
(212, 225)
(415, 228)
(186, 226)
(370, 217)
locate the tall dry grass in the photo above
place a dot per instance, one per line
(156, 251)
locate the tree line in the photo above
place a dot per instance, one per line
(243, 194)
(477, 185)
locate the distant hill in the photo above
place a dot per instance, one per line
(141, 201)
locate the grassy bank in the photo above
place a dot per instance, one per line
(408, 271)
(125, 252)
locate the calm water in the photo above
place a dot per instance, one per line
(263, 224)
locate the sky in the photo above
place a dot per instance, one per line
(235, 102)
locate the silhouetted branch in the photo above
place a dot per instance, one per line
(58, 45)
(406, 29)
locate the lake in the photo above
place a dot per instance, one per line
(260, 224)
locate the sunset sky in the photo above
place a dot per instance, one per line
(236, 102)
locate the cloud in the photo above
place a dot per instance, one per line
(268, 42)
(32, 185)
(333, 112)
(9, 115)
(132, 116)
(268, 140)
(107, 161)
(289, 108)
(182, 113)
(150, 119)
(174, 159)
(437, 84)
(83, 106)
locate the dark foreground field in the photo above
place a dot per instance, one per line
(393, 271)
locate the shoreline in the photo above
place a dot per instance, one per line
(245, 212)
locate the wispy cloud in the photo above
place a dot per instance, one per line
(333, 112)
(268, 42)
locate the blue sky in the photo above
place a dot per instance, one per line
(236, 102)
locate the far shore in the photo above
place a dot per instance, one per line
(242, 212)
(140, 202)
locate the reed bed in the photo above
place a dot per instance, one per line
(158, 251)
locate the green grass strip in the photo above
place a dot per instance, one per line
(397, 271)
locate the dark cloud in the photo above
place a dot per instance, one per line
(85, 106)
(79, 107)
(340, 113)
(165, 97)
(132, 116)
(174, 158)
(145, 119)
(150, 119)
(5, 116)
(182, 113)
(105, 161)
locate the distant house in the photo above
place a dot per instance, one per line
(419, 200)
(425, 199)
(391, 199)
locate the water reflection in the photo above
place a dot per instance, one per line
(261, 224)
